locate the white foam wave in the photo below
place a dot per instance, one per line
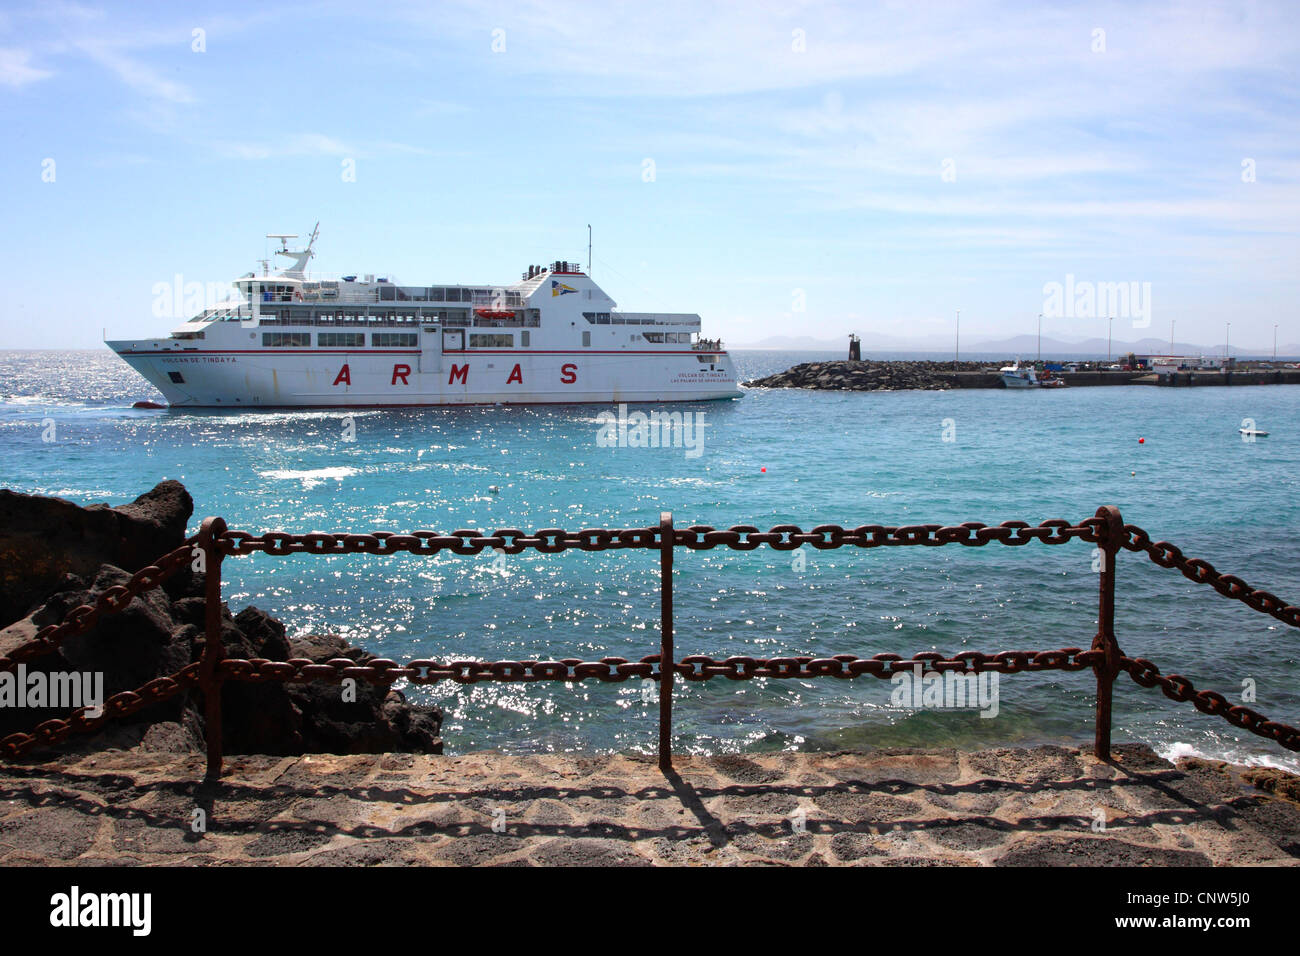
(310, 478)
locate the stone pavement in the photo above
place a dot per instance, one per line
(1045, 806)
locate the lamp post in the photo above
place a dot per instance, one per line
(1110, 324)
(1040, 336)
(1227, 336)
(1171, 338)
(1274, 341)
(956, 357)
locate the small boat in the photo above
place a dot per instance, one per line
(1013, 376)
(1253, 432)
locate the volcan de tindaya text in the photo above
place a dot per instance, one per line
(295, 339)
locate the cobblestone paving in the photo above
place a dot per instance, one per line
(1047, 806)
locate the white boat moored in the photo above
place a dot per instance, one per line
(1014, 376)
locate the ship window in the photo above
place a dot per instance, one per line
(394, 340)
(387, 293)
(281, 340)
(654, 336)
(523, 339)
(437, 295)
(586, 339)
(176, 377)
(341, 340)
(491, 341)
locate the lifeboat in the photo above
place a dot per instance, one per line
(494, 314)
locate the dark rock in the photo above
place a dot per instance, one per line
(42, 540)
(49, 570)
(379, 720)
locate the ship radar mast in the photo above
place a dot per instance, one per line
(299, 256)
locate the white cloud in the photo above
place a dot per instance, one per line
(16, 69)
(139, 76)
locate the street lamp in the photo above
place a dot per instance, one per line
(956, 356)
(1110, 324)
(1171, 337)
(1040, 336)
(1274, 341)
(1227, 335)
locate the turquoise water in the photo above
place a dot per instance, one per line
(848, 458)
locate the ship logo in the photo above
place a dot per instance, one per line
(559, 288)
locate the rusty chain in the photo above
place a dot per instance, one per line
(109, 601)
(382, 671)
(1179, 688)
(55, 731)
(785, 537)
(1196, 569)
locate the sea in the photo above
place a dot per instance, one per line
(1171, 459)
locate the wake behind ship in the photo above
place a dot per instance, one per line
(552, 337)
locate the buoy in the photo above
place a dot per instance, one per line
(493, 489)
(763, 470)
(1141, 441)
(1133, 473)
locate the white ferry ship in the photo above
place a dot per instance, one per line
(294, 339)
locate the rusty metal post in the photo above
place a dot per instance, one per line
(213, 650)
(1105, 641)
(666, 640)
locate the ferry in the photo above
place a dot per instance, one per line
(294, 339)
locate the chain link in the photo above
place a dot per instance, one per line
(1179, 688)
(109, 601)
(786, 537)
(52, 732)
(1229, 585)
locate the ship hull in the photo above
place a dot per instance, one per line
(202, 378)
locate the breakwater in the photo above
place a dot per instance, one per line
(869, 376)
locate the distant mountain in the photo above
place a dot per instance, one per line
(1024, 346)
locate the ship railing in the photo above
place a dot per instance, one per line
(215, 543)
(526, 322)
(403, 320)
(498, 298)
(680, 320)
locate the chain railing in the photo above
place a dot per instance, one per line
(215, 542)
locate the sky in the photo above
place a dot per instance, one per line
(780, 168)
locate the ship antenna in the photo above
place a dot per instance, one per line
(588, 249)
